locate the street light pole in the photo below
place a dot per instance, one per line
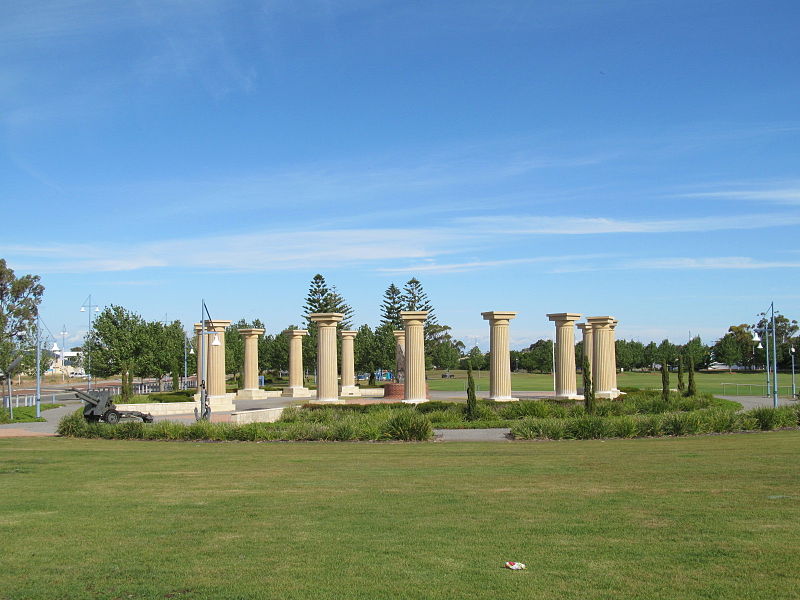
(774, 359)
(87, 304)
(63, 334)
(794, 389)
(38, 366)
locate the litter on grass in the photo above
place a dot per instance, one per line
(515, 566)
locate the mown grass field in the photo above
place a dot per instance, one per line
(706, 382)
(702, 517)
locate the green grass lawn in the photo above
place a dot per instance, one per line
(706, 382)
(704, 517)
(27, 414)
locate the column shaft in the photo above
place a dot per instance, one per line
(603, 355)
(348, 387)
(296, 387)
(566, 382)
(415, 391)
(327, 380)
(499, 355)
(400, 355)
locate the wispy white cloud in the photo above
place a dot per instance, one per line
(683, 264)
(518, 224)
(782, 195)
(484, 264)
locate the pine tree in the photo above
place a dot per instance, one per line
(681, 387)
(588, 387)
(415, 298)
(472, 399)
(391, 306)
(317, 299)
(664, 381)
(337, 304)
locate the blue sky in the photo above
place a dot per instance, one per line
(638, 159)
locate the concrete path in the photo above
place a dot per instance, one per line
(472, 435)
(40, 428)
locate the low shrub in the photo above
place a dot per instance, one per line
(408, 425)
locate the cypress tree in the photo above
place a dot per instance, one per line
(664, 381)
(692, 389)
(588, 386)
(472, 399)
(681, 387)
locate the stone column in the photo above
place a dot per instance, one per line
(400, 355)
(218, 397)
(327, 381)
(566, 384)
(250, 389)
(500, 357)
(588, 341)
(296, 387)
(614, 356)
(348, 387)
(415, 388)
(602, 355)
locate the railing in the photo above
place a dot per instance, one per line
(754, 389)
(25, 400)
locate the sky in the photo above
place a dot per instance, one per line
(629, 158)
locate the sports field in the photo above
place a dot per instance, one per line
(703, 517)
(706, 382)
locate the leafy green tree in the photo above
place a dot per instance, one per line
(538, 357)
(667, 352)
(391, 306)
(19, 306)
(727, 350)
(696, 351)
(446, 355)
(588, 386)
(365, 351)
(115, 345)
(650, 355)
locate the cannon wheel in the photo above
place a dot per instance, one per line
(111, 417)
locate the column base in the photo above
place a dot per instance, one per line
(349, 390)
(222, 403)
(415, 400)
(254, 394)
(296, 392)
(504, 399)
(575, 396)
(610, 395)
(327, 401)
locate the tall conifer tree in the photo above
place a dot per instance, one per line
(391, 306)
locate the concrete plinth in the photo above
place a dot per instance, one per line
(499, 355)
(297, 392)
(415, 389)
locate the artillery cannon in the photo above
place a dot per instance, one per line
(98, 406)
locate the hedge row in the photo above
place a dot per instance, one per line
(406, 425)
(709, 420)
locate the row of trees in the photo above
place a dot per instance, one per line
(20, 298)
(739, 346)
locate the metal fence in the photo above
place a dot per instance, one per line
(26, 400)
(754, 389)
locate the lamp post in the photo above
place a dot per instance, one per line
(185, 364)
(63, 334)
(91, 308)
(794, 389)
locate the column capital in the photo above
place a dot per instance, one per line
(217, 326)
(498, 315)
(348, 334)
(251, 332)
(564, 317)
(600, 322)
(198, 328)
(413, 317)
(326, 319)
(583, 326)
(296, 333)
(614, 324)
(399, 335)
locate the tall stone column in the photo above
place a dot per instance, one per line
(613, 358)
(250, 389)
(415, 389)
(602, 357)
(348, 387)
(566, 384)
(218, 397)
(327, 380)
(400, 355)
(296, 387)
(500, 357)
